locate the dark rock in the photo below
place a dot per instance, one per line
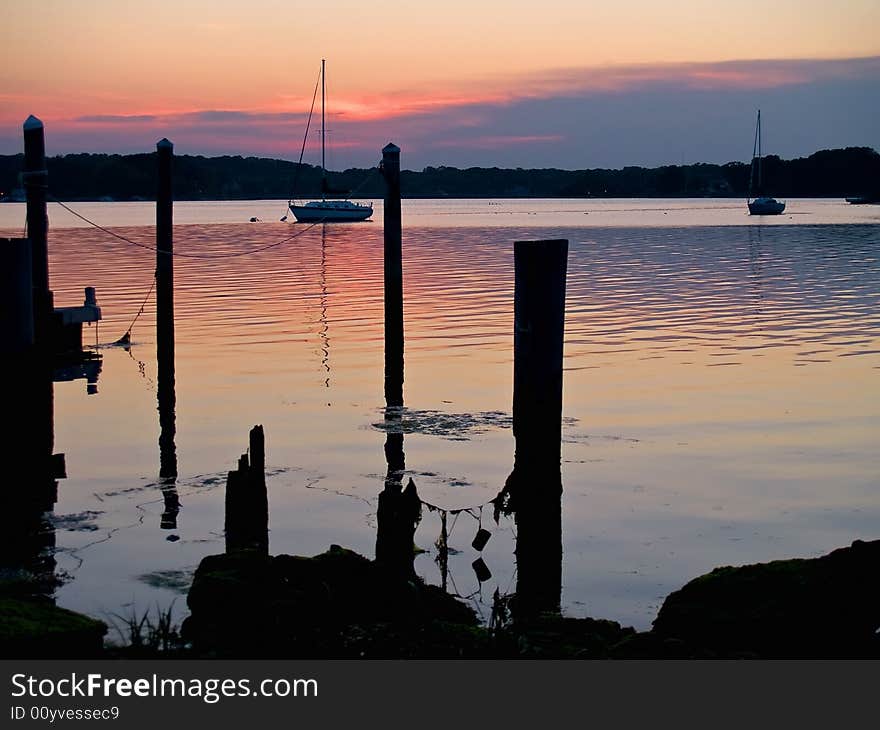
(334, 604)
(552, 636)
(820, 607)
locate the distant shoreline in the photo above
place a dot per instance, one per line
(837, 173)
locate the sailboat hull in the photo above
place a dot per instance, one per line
(765, 206)
(343, 211)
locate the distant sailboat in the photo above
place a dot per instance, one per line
(323, 210)
(761, 204)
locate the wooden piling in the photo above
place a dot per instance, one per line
(393, 255)
(536, 482)
(247, 502)
(35, 177)
(539, 331)
(165, 311)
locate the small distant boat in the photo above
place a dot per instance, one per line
(323, 210)
(761, 204)
(864, 199)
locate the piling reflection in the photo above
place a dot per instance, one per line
(400, 509)
(168, 448)
(167, 432)
(324, 332)
(171, 507)
(538, 543)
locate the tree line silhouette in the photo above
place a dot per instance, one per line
(827, 173)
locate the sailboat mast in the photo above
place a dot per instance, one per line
(323, 164)
(760, 186)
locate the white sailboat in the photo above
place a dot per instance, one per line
(323, 210)
(762, 204)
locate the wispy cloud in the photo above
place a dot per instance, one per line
(495, 141)
(727, 75)
(116, 118)
(207, 116)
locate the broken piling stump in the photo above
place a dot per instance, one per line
(247, 502)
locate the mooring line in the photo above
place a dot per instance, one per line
(179, 254)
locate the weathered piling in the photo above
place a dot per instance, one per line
(35, 177)
(165, 311)
(30, 401)
(539, 331)
(393, 255)
(535, 485)
(16, 298)
(247, 502)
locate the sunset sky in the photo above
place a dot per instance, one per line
(560, 83)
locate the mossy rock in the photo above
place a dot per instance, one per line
(37, 628)
(819, 607)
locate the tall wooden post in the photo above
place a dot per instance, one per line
(536, 483)
(165, 311)
(36, 387)
(36, 184)
(539, 329)
(393, 278)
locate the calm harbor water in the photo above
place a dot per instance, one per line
(721, 396)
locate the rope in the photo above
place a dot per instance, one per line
(181, 253)
(127, 335)
(469, 510)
